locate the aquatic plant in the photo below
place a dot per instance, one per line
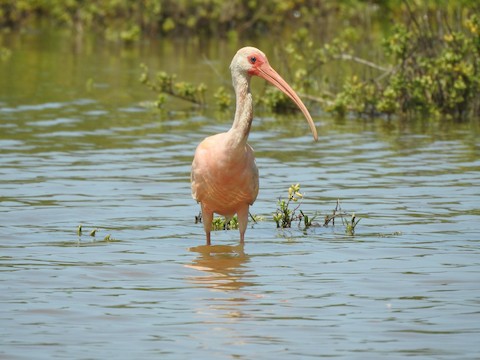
(437, 76)
(427, 63)
(350, 225)
(222, 223)
(108, 238)
(307, 220)
(126, 20)
(165, 84)
(429, 72)
(93, 233)
(222, 98)
(284, 216)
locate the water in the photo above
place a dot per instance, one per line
(406, 285)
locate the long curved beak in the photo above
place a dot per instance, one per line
(265, 71)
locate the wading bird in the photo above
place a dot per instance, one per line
(224, 175)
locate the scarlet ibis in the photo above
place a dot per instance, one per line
(224, 174)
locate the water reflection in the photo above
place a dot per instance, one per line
(222, 266)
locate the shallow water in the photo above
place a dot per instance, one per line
(407, 283)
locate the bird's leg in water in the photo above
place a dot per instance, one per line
(207, 222)
(242, 215)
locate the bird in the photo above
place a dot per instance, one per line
(224, 176)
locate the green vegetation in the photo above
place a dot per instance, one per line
(429, 67)
(127, 20)
(285, 216)
(93, 234)
(222, 223)
(166, 84)
(429, 74)
(350, 225)
(5, 53)
(388, 58)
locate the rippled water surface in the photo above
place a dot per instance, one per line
(77, 147)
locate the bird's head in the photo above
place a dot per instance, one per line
(248, 60)
(253, 62)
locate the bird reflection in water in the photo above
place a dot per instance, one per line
(223, 267)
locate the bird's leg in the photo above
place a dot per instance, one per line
(207, 222)
(242, 214)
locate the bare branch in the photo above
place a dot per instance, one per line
(360, 61)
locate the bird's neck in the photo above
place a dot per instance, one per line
(243, 112)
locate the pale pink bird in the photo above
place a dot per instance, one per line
(224, 174)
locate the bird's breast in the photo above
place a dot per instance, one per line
(222, 177)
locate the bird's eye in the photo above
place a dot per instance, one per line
(253, 59)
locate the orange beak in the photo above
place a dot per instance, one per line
(265, 71)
